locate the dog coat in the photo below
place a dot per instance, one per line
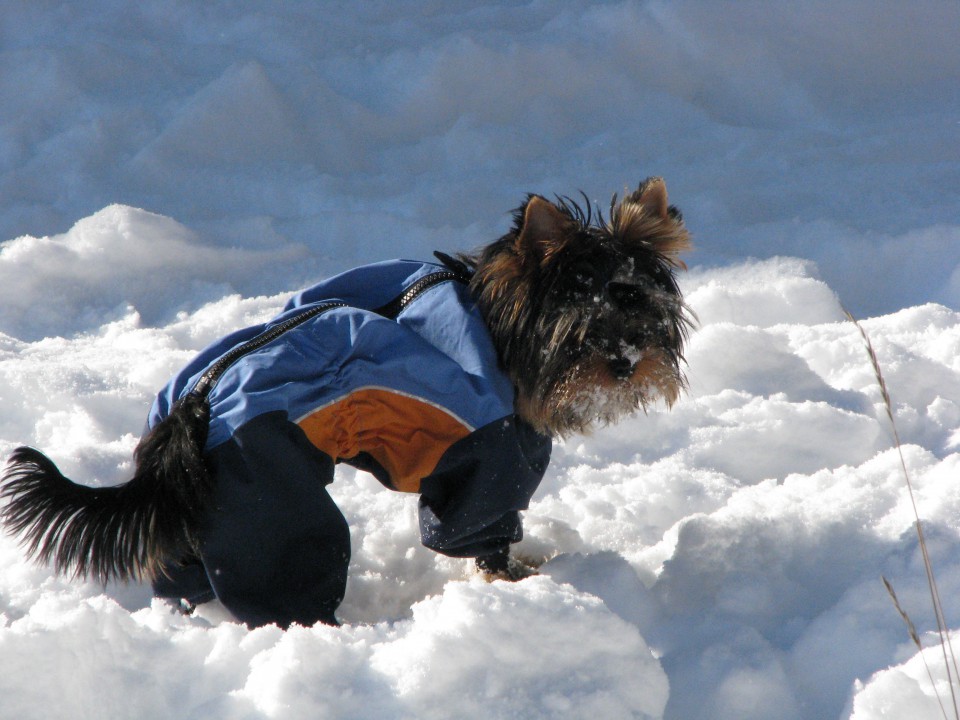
(389, 368)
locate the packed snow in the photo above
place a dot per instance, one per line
(173, 171)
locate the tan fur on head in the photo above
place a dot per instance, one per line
(644, 217)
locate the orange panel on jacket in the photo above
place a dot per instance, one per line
(404, 434)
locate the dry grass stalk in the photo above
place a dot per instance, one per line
(949, 658)
(916, 641)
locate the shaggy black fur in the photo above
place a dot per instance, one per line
(119, 532)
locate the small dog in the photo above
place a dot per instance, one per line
(448, 380)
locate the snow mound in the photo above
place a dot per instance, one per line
(118, 258)
(905, 690)
(476, 650)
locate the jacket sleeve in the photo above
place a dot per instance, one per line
(469, 506)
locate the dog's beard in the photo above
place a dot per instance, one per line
(576, 397)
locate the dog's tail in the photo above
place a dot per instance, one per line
(127, 531)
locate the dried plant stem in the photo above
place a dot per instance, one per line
(949, 658)
(912, 631)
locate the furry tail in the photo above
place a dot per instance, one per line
(121, 532)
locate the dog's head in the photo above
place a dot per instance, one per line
(585, 311)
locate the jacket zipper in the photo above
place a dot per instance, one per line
(391, 310)
(396, 306)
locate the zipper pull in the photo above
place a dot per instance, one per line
(464, 273)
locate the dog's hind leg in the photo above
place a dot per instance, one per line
(274, 544)
(185, 582)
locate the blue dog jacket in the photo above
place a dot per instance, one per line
(389, 368)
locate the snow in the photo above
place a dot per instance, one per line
(173, 171)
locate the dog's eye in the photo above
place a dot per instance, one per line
(583, 280)
(626, 296)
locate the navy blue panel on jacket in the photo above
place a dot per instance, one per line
(505, 461)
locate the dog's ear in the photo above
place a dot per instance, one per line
(646, 218)
(652, 196)
(544, 230)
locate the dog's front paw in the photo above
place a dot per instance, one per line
(502, 566)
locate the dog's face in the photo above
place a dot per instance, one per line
(587, 316)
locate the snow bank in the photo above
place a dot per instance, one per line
(813, 130)
(476, 650)
(719, 560)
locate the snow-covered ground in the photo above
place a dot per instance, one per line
(719, 560)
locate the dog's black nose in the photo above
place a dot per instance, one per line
(621, 368)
